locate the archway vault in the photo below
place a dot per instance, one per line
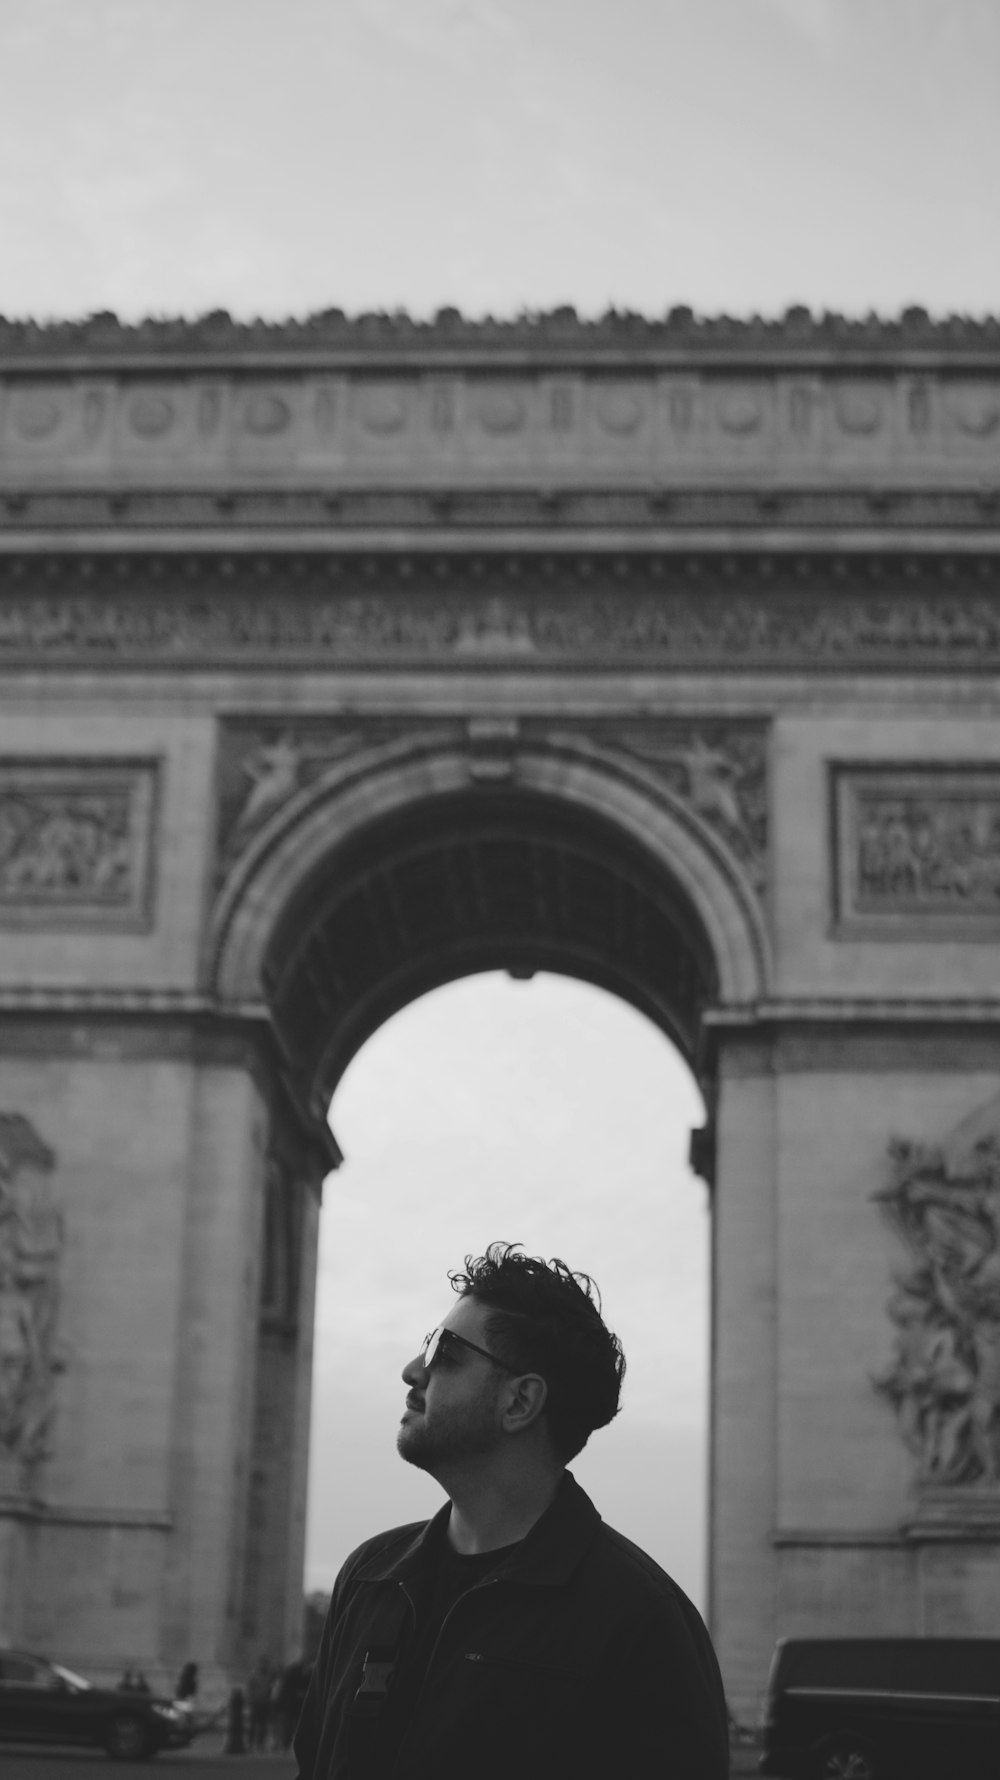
(414, 866)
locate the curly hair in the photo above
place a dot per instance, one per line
(545, 1318)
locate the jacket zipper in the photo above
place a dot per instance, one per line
(490, 1583)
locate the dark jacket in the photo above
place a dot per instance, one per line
(578, 1658)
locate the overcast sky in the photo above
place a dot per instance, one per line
(286, 155)
(280, 156)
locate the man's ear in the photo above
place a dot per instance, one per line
(525, 1402)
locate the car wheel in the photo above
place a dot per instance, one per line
(845, 1759)
(128, 1738)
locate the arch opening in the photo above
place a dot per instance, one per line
(463, 883)
(550, 1114)
(364, 899)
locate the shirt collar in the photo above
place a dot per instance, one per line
(547, 1555)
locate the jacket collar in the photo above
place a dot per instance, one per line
(547, 1555)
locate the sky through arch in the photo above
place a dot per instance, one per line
(548, 1112)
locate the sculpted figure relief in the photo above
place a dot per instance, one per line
(31, 1243)
(710, 776)
(273, 775)
(929, 851)
(819, 628)
(719, 769)
(64, 846)
(944, 1382)
(263, 767)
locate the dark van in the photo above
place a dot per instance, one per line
(871, 1708)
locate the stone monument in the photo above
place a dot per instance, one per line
(342, 658)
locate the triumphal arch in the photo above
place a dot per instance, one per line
(342, 658)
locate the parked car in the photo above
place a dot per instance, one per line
(870, 1708)
(41, 1702)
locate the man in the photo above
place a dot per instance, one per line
(259, 1685)
(290, 1692)
(514, 1636)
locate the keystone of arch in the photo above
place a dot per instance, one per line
(385, 780)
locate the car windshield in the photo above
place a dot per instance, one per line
(68, 1675)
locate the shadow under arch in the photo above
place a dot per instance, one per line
(404, 873)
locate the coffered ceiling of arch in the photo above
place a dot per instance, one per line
(512, 880)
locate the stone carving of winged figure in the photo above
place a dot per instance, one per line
(711, 777)
(273, 771)
(276, 770)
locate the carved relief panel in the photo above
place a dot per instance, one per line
(944, 1381)
(76, 842)
(916, 850)
(31, 1244)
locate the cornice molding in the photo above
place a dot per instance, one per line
(44, 998)
(558, 332)
(848, 1011)
(835, 1538)
(240, 514)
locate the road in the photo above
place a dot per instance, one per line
(202, 1762)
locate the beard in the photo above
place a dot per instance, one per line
(450, 1436)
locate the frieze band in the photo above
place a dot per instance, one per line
(852, 614)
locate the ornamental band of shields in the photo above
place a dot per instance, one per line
(340, 659)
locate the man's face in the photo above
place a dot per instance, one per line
(453, 1410)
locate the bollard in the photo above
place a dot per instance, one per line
(234, 1744)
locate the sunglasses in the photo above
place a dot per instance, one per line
(431, 1345)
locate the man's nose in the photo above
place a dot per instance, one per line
(414, 1372)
